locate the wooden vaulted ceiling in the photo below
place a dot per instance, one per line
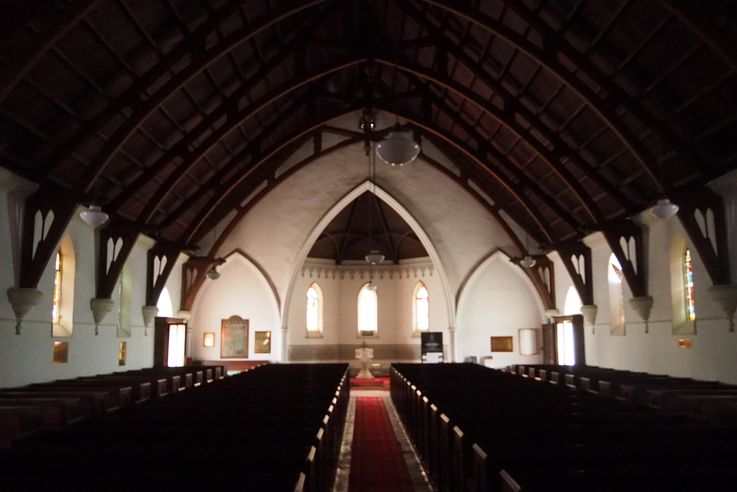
(570, 114)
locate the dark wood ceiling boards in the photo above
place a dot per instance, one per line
(569, 114)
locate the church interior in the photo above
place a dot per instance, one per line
(268, 208)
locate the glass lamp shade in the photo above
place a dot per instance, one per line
(374, 257)
(528, 261)
(371, 285)
(213, 273)
(664, 209)
(398, 148)
(93, 215)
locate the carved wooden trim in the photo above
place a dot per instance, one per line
(702, 215)
(159, 265)
(626, 242)
(542, 276)
(45, 219)
(576, 258)
(114, 244)
(194, 273)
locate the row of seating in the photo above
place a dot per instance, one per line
(39, 406)
(714, 401)
(275, 427)
(481, 429)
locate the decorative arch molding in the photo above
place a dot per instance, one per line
(239, 254)
(236, 255)
(402, 212)
(497, 256)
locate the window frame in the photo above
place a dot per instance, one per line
(363, 333)
(318, 332)
(688, 285)
(416, 330)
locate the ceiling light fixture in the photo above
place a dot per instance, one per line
(374, 257)
(213, 273)
(93, 215)
(528, 261)
(398, 148)
(664, 209)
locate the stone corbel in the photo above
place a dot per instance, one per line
(589, 315)
(642, 305)
(22, 299)
(100, 309)
(149, 313)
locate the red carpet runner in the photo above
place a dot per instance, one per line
(377, 463)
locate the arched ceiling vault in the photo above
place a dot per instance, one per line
(571, 116)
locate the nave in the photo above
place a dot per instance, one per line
(446, 427)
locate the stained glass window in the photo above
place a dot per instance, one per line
(56, 302)
(314, 309)
(421, 308)
(688, 285)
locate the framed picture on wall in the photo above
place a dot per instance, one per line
(262, 342)
(502, 344)
(208, 339)
(234, 338)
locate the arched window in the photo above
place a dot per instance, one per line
(62, 303)
(166, 310)
(688, 286)
(368, 307)
(573, 302)
(616, 297)
(56, 297)
(124, 304)
(420, 309)
(314, 310)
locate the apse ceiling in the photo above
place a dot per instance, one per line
(367, 224)
(570, 115)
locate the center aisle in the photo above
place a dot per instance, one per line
(376, 458)
(376, 454)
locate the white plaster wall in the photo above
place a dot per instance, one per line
(241, 290)
(340, 287)
(713, 355)
(496, 301)
(27, 358)
(275, 230)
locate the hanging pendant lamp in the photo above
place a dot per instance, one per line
(664, 209)
(398, 148)
(93, 215)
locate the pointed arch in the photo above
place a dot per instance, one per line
(420, 308)
(313, 311)
(62, 305)
(503, 258)
(572, 304)
(368, 310)
(402, 212)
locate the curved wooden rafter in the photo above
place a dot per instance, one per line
(143, 107)
(548, 58)
(561, 149)
(691, 17)
(500, 160)
(234, 119)
(509, 122)
(422, 124)
(26, 56)
(615, 93)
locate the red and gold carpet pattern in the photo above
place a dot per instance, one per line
(377, 463)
